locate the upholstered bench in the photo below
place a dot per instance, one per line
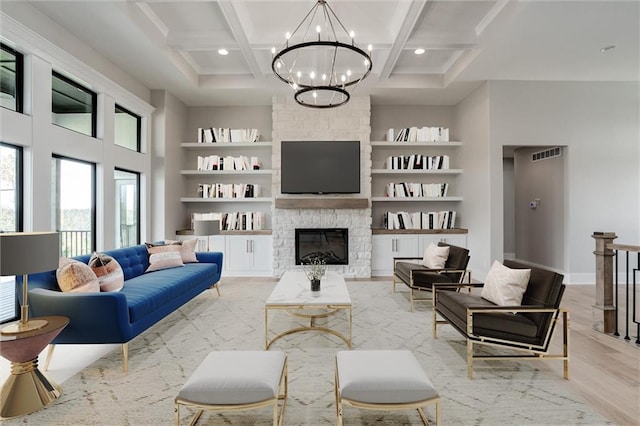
(237, 380)
(383, 380)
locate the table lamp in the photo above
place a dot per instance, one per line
(23, 253)
(206, 228)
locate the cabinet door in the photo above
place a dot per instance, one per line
(261, 247)
(249, 255)
(238, 258)
(385, 247)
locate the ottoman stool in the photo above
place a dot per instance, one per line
(383, 380)
(236, 380)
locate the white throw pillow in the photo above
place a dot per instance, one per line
(435, 257)
(505, 286)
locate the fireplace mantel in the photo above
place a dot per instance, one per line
(321, 203)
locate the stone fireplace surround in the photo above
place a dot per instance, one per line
(349, 122)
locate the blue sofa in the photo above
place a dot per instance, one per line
(118, 317)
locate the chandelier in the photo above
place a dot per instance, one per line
(320, 60)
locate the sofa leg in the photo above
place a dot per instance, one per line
(435, 323)
(217, 287)
(469, 359)
(125, 357)
(49, 356)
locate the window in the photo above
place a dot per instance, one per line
(74, 205)
(127, 208)
(127, 129)
(11, 78)
(10, 218)
(72, 105)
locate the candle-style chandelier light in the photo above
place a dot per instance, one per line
(320, 60)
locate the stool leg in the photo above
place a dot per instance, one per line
(176, 414)
(438, 412)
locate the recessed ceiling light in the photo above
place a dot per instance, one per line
(419, 51)
(223, 51)
(607, 48)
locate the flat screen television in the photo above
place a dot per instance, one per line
(320, 167)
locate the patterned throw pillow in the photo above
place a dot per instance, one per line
(164, 256)
(188, 251)
(505, 286)
(75, 276)
(108, 271)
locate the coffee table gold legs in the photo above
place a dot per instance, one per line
(301, 312)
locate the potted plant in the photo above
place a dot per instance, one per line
(314, 269)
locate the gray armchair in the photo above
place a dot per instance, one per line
(527, 327)
(420, 279)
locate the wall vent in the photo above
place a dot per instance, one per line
(546, 154)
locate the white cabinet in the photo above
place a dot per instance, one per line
(248, 255)
(385, 247)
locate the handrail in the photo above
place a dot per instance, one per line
(608, 285)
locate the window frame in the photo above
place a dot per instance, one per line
(19, 77)
(19, 184)
(138, 118)
(94, 228)
(94, 102)
(138, 201)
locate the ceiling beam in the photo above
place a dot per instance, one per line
(409, 23)
(237, 30)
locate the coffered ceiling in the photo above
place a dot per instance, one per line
(174, 45)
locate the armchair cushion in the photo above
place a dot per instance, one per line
(505, 286)
(435, 257)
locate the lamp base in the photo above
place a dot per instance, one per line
(20, 327)
(26, 390)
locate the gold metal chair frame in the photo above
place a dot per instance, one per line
(298, 312)
(418, 405)
(279, 403)
(418, 289)
(538, 352)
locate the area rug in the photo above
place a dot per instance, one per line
(160, 361)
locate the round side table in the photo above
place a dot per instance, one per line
(27, 389)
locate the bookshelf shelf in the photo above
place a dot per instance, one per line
(226, 172)
(385, 144)
(416, 172)
(226, 145)
(226, 200)
(414, 199)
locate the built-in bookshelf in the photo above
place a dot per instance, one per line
(234, 176)
(416, 180)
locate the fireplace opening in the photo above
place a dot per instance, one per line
(329, 244)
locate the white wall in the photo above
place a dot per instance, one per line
(509, 215)
(41, 139)
(472, 126)
(599, 124)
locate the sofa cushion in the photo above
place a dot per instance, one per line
(75, 276)
(435, 257)
(187, 249)
(108, 271)
(163, 257)
(505, 325)
(147, 293)
(505, 286)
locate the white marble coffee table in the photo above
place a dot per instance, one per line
(293, 295)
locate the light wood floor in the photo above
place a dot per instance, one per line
(605, 370)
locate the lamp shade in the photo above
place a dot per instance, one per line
(206, 227)
(28, 252)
